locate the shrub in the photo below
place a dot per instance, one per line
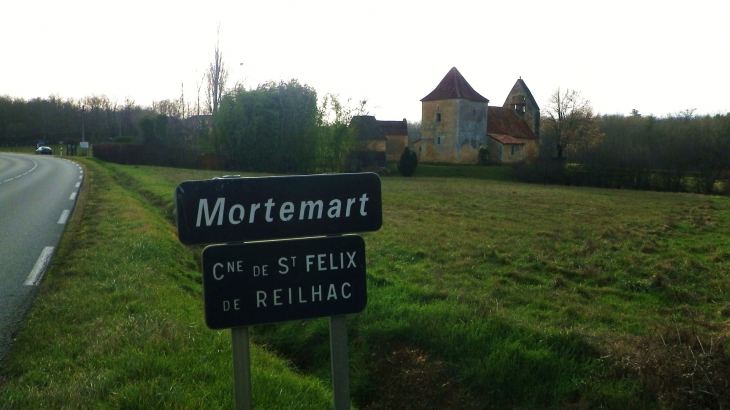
(408, 162)
(124, 140)
(147, 154)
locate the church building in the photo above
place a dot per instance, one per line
(459, 126)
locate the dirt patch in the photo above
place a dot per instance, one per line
(408, 378)
(681, 368)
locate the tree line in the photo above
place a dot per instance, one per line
(276, 127)
(682, 152)
(54, 120)
(98, 117)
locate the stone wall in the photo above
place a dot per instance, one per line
(452, 131)
(531, 115)
(395, 146)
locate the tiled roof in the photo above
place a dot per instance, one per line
(394, 127)
(367, 127)
(505, 121)
(454, 85)
(506, 139)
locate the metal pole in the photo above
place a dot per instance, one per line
(340, 365)
(83, 138)
(241, 368)
(83, 108)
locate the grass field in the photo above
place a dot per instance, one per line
(482, 294)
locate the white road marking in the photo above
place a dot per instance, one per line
(81, 176)
(16, 177)
(73, 196)
(64, 216)
(39, 268)
(78, 184)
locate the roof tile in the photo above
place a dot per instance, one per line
(454, 85)
(506, 139)
(506, 122)
(394, 127)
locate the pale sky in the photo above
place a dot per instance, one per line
(659, 57)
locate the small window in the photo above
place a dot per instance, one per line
(513, 150)
(438, 117)
(438, 140)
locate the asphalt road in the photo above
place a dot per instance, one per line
(37, 195)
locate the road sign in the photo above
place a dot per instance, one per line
(266, 282)
(248, 209)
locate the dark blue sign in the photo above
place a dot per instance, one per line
(267, 282)
(248, 209)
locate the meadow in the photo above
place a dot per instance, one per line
(483, 293)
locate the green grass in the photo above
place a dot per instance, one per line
(482, 294)
(118, 323)
(497, 173)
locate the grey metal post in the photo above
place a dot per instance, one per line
(340, 362)
(241, 368)
(83, 109)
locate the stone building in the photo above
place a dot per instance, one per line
(377, 141)
(459, 127)
(520, 99)
(396, 138)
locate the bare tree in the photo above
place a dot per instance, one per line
(182, 101)
(570, 122)
(199, 85)
(216, 76)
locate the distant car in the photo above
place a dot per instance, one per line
(44, 151)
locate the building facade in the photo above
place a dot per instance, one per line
(377, 142)
(453, 122)
(459, 127)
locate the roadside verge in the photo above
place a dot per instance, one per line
(119, 323)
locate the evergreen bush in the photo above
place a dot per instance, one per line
(408, 162)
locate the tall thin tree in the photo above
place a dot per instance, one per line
(216, 77)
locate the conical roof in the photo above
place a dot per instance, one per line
(454, 85)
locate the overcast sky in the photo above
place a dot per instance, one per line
(658, 57)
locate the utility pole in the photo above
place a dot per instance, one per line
(83, 108)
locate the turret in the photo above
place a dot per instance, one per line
(520, 100)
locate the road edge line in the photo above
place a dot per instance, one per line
(40, 266)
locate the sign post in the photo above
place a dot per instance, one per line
(241, 368)
(340, 362)
(250, 283)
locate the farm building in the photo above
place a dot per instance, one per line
(378, 141)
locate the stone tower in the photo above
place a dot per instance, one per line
(454, 122)
(520, 99)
